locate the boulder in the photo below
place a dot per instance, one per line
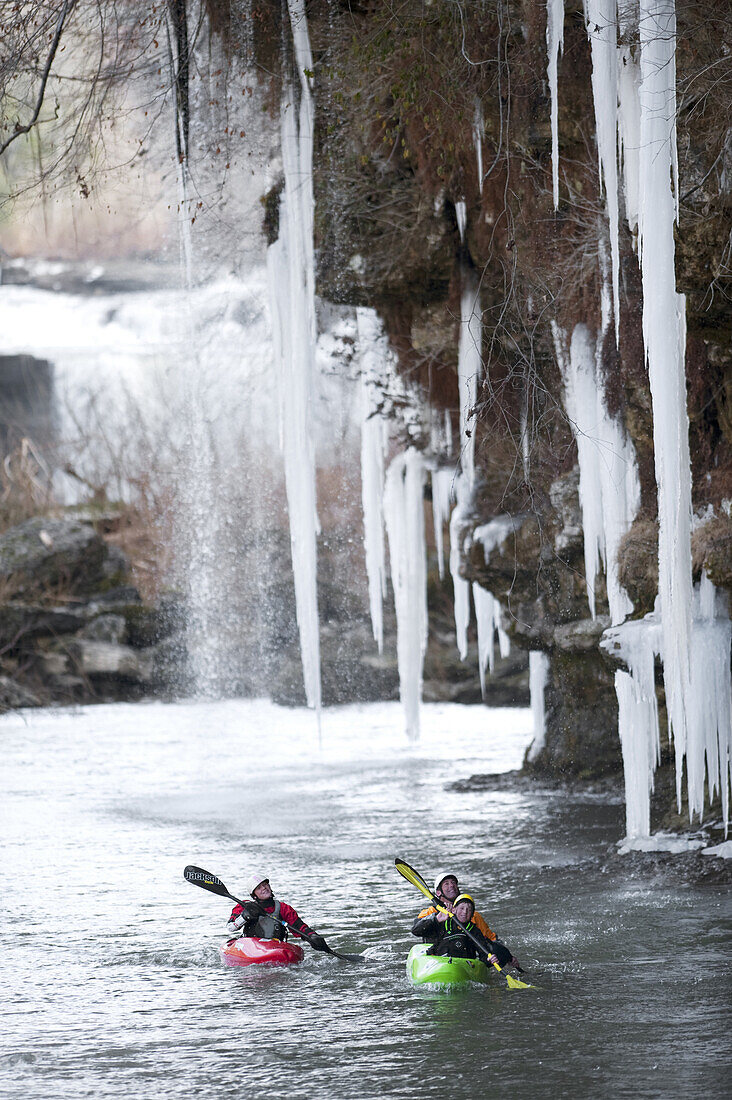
(95, 659)
(45, 552)
(13, 694)
(105, 628)
(20, 622)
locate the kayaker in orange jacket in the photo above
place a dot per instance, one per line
(446, 888)
(263, 916)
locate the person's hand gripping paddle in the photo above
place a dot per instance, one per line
(416, 879)
(198, 877)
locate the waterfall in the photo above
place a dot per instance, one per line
(290, 265)
(404, 511)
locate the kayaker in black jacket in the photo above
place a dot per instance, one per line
(451, 940)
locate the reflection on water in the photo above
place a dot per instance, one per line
(113, 985)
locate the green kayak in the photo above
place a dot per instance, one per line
(424, 969)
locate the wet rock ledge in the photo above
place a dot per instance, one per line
(72, 626)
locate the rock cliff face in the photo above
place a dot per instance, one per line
(441, 105)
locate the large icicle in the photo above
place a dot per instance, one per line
(629, 131)
(603, 34)
(461, 587)
(442, 493)
(478, 127)
(292, 295)
(489, 619)
(609, 488)
(538, 676)
(373, 449)
(664, 336)
(470, 367)
(404, 512)
(554, 44)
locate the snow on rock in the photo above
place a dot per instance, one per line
(292, 295)
(721, 851)
(494, 533)
(660, 842)
(404, 512)
(538, 676)
(374, 436)
(554, 44)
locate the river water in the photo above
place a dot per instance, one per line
(112, 983)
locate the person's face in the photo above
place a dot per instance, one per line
(263, 891)
(464, 912)
(449, 888)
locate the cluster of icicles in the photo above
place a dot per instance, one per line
(634, 96)
(634, 93)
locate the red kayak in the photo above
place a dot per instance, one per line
(248, 949)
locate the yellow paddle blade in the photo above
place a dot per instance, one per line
(514, 983)
(412, 876)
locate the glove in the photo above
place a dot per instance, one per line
(318, 942)
(492, 960)
(515, 965)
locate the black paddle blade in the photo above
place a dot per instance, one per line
(198, 877)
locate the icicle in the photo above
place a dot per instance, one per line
(629, 131)
(581, 404)
(554, 45)
(709, 744)
(442, 493)
(478, 126)
(373, 449)
(638, 643)
(448, 434)
(404, 512)
(664, 337)
(462, 218)
(609, 488)
(292, 284)
(538, 676)
(489, 619)
(470, 367)
(603, 35)
(461, 587)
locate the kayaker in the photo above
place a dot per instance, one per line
(429, 921)
(446, 888)
(249, 918)
(451, 940)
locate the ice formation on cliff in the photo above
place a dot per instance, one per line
(404, 513)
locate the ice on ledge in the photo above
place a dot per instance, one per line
(660, 842)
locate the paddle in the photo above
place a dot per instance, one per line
(416, 879)
(198, 877)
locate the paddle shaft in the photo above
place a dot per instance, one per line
(215, 886)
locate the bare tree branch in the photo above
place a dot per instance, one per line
(68, 7)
